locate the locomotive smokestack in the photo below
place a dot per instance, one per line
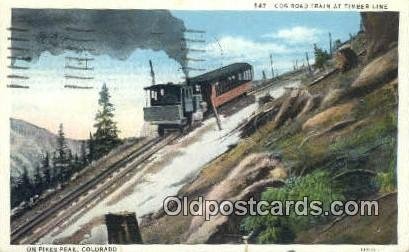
(152, 73)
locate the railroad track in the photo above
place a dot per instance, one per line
(32, 230)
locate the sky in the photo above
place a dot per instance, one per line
(230, 36)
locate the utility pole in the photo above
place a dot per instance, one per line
(330, 43)
(271, 65)
(216, 114)
(308, 63)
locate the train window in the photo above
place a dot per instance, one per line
(162, 92)
(197, 88)
(248, 75)
(154, 95)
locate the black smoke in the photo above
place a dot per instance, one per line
(116, 33)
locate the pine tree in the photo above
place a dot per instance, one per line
(45, 165)
(321, 56)
(106, 135)
(75, 163)
(62, 157)
(25, 185)
(83, 157)
(15, 197)
(91, 148)
(56, 169)
(71, 165)
(38, 181)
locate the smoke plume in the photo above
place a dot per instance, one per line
(116, 33)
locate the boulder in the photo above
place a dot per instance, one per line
(251, 175)
(380, 71)
(329, 116)
(332, 97)
(345, 58)
(311, 104)
(293, 105)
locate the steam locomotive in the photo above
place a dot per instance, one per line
(176, 106)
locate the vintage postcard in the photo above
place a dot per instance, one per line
(179, 126)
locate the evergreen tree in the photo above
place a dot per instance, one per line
(15, 197)
(76, 164)
(71, 165)
(38, 181)
(106, 135)
(26, 186)
(45, 165)
(83, 157)
(62, 157)
(55, 170)
(321, 56)
(337, 44)
(91, 148)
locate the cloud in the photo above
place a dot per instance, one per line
(297, 34)
(231, 49)
(242, 48)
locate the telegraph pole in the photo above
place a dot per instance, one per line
(308, 63)
(330, 43)
(271, 65)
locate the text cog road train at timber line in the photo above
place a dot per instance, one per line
(178, 106)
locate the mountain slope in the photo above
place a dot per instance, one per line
(28, 142)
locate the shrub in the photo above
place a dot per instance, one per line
(321, 56)
(387, 180)
(282, 229)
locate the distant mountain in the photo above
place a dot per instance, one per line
(28, 142)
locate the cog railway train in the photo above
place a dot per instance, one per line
(178, 106)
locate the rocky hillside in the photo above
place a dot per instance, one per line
(332, 139)
(28, 142)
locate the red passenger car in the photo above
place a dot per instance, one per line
(224, 84)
